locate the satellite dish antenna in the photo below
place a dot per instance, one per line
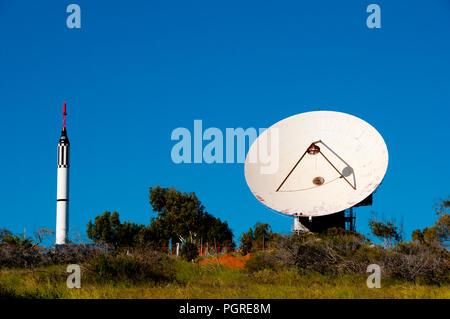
(327, 162)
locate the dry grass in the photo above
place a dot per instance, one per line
(213, 281)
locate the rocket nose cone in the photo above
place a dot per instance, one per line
(64, 139)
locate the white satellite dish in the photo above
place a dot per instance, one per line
(328, 162)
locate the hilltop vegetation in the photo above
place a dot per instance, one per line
(181, 218)
(134, 261)
(306, 266)
(212, 281)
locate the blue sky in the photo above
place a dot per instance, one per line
(136, 70)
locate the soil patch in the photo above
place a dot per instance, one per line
(228, 260)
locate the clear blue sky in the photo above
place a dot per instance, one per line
(136, 70)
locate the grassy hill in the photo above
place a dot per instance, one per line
(212, 280)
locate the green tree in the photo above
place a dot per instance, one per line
(388, 232)
(108, 229)
(189, 251)
(263, 234)
(438, 234)
(182, 215)
(8, 238)
(417, 235)
(257, 238)
(442, 207)
(442, 226)
(247, 241)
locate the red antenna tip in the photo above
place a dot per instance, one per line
(64, 116)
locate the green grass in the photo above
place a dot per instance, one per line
(212, 281)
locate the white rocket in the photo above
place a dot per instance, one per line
(62, 195)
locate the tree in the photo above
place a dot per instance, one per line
(189, 251)
(41, 235)
(417, 235)
(257, 238)
(388, 232)
(262, 233)
(438, 234)
(442, 207)
(108, 229)
(247, 241)
(182, 215)
(442, 226)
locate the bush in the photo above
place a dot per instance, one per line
(260, 262)
(352, 254)
(412, 261)
(367, 255)
(319, 256)
(264, 276)
(189, 251)
(72, 254)
(312, 253)
(20, 252)
(20, 255)
(142, 266)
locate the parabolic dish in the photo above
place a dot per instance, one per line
(327, 162)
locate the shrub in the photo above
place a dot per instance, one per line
(264, 276)
(189, 251)
(18, 251)
(260, 262)
(309, 252)
(367, 255)
(319, 256)
(351, 254)
(142, 266)
(21, 254)
(412, 261)
(72, 254)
